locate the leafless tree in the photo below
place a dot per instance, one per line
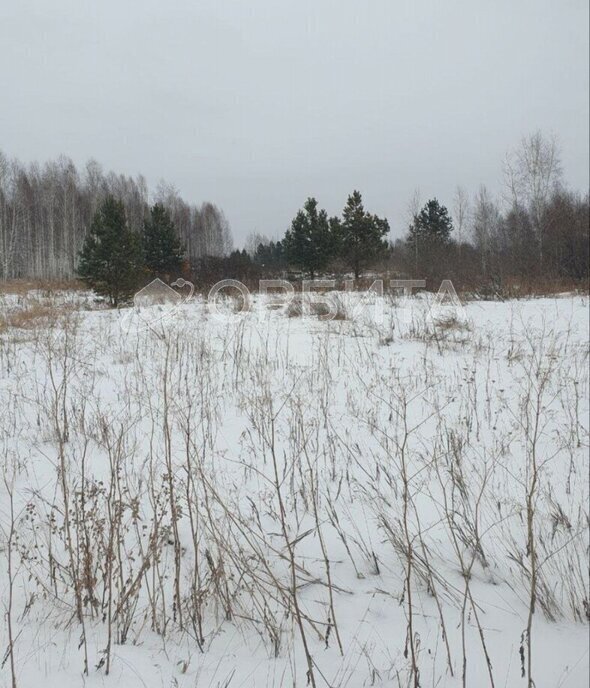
(46, 211)
(253, 241)
(486, 217)
(460, 212)
(532, 173)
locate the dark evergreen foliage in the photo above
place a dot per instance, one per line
(270, 255)
(111, 260)
(162, 250)
(309, 244)
(46, 211)
(433, 224)
(361, 235)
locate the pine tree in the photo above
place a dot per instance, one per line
(433, 224)
(361, 234)
(429, 232)
(308, 244)
(163, 252)
(111, 258)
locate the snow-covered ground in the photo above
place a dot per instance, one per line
(254, 500)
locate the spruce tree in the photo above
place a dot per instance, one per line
(269, 255)
(163, 252)
(308, 244)
(361, 234)
(111, 258)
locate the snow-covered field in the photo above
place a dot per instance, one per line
(254, 500)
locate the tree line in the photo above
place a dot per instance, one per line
(58, 223)
(315, 242)
(536, 232)
(46, 212)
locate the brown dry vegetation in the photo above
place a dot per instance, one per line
(24, 286)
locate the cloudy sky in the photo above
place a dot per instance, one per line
(257, 104)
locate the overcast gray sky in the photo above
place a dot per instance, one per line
(257, 104)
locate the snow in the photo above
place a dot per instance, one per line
(307, 415)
